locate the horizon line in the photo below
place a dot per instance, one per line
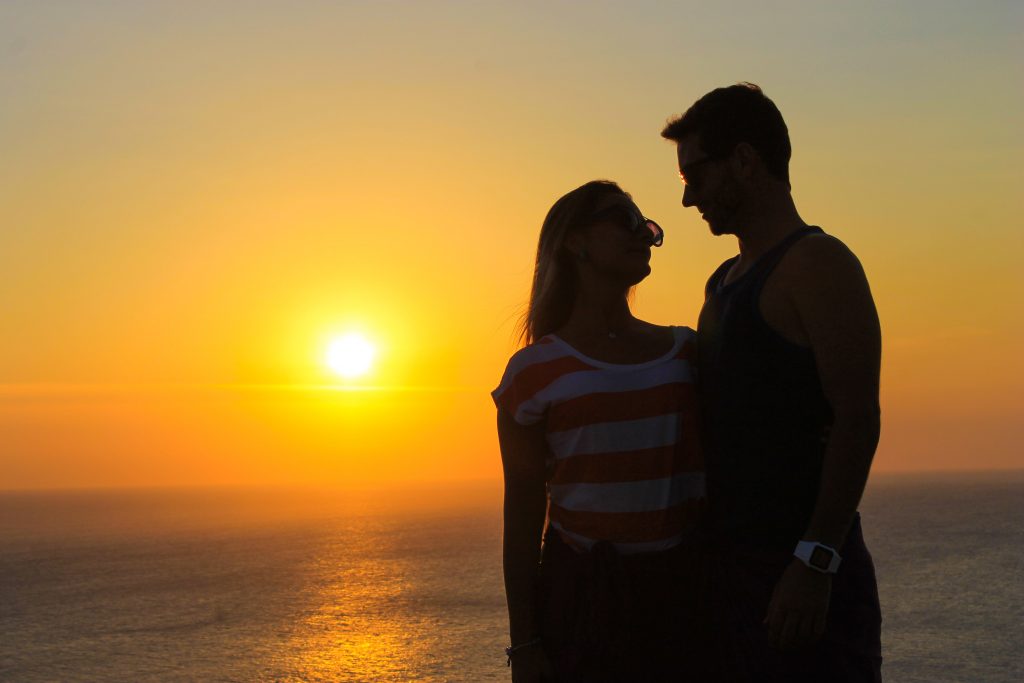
(18, 389)
(373, 485)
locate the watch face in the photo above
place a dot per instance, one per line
(821, 558)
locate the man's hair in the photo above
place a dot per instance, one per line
(738, 113)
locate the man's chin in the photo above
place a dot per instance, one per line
(714, 226)
(720, 227)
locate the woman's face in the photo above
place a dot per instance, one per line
(617, 242)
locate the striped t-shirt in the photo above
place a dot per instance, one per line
(624, 456)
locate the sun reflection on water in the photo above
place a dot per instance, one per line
(252, 586)
(359, 625)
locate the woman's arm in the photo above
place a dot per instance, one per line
(523, 454)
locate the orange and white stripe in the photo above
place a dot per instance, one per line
(623, 441)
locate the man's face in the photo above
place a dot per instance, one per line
(709, 186)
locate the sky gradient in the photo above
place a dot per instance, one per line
(194, 199)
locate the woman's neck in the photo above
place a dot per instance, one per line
(599, 316)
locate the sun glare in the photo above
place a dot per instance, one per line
(351, 356)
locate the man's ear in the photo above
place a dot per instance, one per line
(745, 161)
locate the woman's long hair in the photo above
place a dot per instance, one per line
(554, 276)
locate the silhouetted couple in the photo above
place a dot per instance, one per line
(610, 426)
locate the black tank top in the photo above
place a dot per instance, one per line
(765, 416)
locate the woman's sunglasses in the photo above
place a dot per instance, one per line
(632, 221)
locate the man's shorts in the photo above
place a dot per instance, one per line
(850, 650)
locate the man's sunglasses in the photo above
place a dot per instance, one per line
(687, 175)
(632, 221)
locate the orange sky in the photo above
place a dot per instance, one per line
(193, 202)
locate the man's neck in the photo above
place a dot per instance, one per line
(771, 222)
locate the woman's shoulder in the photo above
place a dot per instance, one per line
(684, 341)
(530, 371)
(539, 351)
(687, 334)
(678, 332)
(541, 357)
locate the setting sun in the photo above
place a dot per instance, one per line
(351, 355)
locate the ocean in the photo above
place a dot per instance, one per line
(245, 585)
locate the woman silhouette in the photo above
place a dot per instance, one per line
(598, 430)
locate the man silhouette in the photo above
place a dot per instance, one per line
(789, 356)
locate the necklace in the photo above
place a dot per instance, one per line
(618, 333)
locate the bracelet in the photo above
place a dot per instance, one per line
(511, 650)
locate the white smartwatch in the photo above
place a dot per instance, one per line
(818, 556)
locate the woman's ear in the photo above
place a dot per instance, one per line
(575, 245)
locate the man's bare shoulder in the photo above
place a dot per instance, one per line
(822, 246)
(820, 258)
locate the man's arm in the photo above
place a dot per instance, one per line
(836, 311)
(839, 317)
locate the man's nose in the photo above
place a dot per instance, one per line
(688, 196)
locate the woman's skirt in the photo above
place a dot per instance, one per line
(606, 617)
